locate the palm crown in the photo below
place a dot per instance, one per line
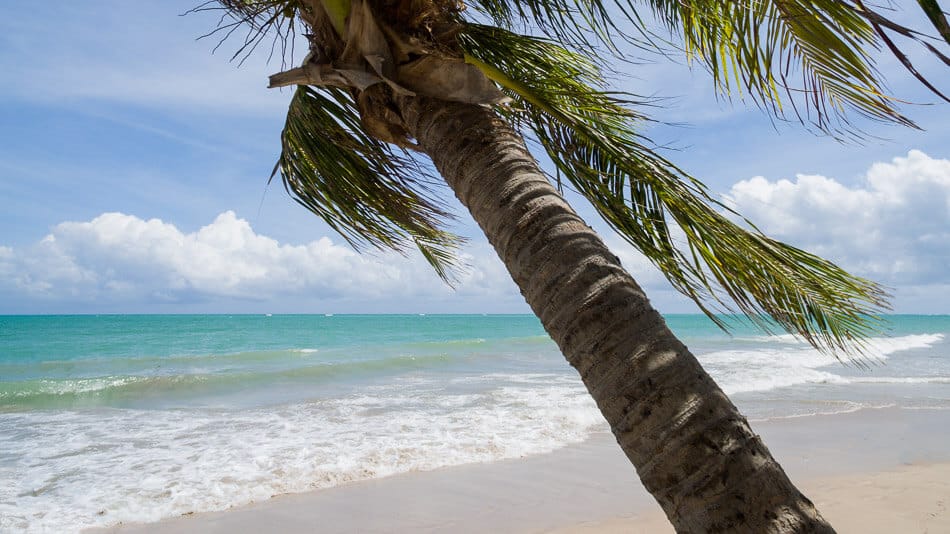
(346, 157)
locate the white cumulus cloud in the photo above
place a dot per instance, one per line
(893, 226)
(119, 257)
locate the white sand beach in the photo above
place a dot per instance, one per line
(908, 499)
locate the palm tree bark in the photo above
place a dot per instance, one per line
(691, 447)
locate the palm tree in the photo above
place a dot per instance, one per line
(387, 82)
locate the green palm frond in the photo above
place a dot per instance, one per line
(583, 24)
(589, 135)
(810, 59)
(814, 55)
(368, 191)
(937, 17)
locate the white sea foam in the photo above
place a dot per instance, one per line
(836, 408)
(770, 367)
(885, 346)
(787, 339)
(101, 467)
(900, 380)
(738, 371)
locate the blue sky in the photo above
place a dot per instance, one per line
(134, 166)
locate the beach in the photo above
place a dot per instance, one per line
(874, 471)
(461, 423)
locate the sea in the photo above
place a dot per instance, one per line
(135, 418)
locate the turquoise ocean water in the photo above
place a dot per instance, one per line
(135, 418)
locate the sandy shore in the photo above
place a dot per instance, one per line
(909, 499)
(870, 471)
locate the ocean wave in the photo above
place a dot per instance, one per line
(769, 367)
(52, 367)
(837, 408)
(889, 345)
(787, 339)
(49, 393)
(121, 390)
(102, 468)
(875, 346)
(539, 379)
(899, 380)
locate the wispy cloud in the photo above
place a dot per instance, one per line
(154, 61)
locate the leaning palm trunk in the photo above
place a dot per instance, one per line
(691, 447)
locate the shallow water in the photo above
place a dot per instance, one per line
(136, 418)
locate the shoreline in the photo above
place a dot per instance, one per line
(857, 466)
